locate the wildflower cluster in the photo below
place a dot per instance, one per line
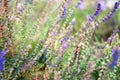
(53, 40)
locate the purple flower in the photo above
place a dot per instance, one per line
(2, 59)
(110, 40)
(116, 5)
(21, 10)
(116, 31)
(112, 12)
(115, 56)
(103, 7)
(63, 13)
(74, 21)
(55, 33)
(52, 65)
(64, 44)
(81, 6)
(97, 12)
(2, 53)
(88, 17)
(70, 2)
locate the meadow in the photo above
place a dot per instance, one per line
(59, 39)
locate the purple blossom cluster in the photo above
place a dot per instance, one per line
(98, 11)
(115, 56)
(67, 36)
(81, 5)
(64, 12)
(2, 59)
(112, 12)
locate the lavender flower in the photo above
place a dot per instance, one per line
(116, 5)
(63, 13)
(55, 33)
(116, 31)
(81, 6)
(115, 56)
(97, 11)
(103, 6)
(88, 17)
(2, 59)
(64, 45)
(112, 12)
(52, 65)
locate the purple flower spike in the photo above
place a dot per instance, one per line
(2, 59)
(115, 56)
(116, 5)
(63, 13)
(64, 45)
(103, 6)
(2, 53)
(98, 10)
(99, 6)
(116, 31)
(112, 12)
(113, 64)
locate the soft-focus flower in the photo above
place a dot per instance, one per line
(112, 12)
(98, 11)
(116, 31)
(64, 13)
(81, 6)
(73, 21)
(103, 4)
(115, 56)
(52, 65)
(88, 17)
(55, 33)
(2, 59)
(110, 40)
(116, 5)
(64, 45)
